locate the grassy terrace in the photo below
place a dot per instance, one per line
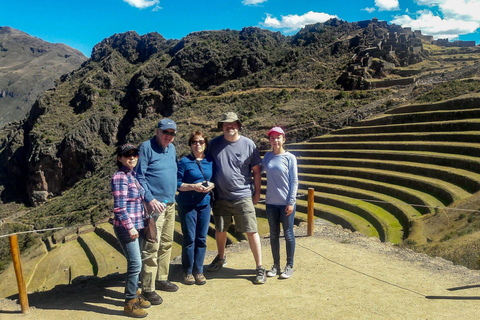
(418, 117)
(467, 163)
(469, 149)
(434, 126)
(460, 136)
(467, 180)
(389, 170)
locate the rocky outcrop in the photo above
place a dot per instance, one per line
(378, 50)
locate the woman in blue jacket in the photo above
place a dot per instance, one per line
(194, 186)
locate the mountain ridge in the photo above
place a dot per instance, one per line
(29, 67)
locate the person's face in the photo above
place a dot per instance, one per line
(230, 128)
(276, 140)
(165, 137)
(198, 144)
(129, 159)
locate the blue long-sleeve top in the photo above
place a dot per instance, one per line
(189, 172)
(282, 178)
(157, 171)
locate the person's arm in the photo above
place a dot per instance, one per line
(257, 182)
(141, 168)
(120, 194)
(293, 184)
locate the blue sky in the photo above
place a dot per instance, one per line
(82, 24)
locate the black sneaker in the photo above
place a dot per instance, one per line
(217, 264)
(274, 271)
(166, 285)
(261, 277)
(152, 297)
(287, 273)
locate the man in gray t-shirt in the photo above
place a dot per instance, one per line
(235, 159)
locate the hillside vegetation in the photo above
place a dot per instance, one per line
(57, 164)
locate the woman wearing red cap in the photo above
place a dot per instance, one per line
(128, 223)
(282, 185)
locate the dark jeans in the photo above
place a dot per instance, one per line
(195, 221)
(133, 254)
(276, 215)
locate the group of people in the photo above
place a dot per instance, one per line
(222, 175)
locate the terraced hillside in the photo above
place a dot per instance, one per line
(71, 254)
(381, 175)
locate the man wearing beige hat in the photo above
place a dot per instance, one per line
(236, 158)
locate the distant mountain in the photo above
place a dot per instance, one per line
(28, 67)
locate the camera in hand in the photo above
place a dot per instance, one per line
(205, 184)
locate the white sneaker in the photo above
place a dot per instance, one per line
(287, 273)
(273, 271)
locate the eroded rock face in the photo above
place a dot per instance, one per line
(45, 175)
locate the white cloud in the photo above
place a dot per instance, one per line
(455, 9)
(387, 5)
(369, 9)
(437, 26)
(142, 4)
(253, 2)
(293, 22)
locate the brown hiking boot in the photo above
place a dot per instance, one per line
(142, 301)
(188, 279)
(133, 309)
(200, 279)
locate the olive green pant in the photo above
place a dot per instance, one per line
(156, 256)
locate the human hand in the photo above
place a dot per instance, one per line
(133, 233)
(289, 209)
(157, 206)
(256, 197)
(199, 187)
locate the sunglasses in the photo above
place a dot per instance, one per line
(169, 133)
(130, 154)
(200, 142)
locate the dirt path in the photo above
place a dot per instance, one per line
(338, 275)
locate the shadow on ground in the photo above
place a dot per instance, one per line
(85, 293)
(94, 294)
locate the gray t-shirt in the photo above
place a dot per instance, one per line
(233, 163)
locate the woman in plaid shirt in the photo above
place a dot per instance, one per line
(128, 223)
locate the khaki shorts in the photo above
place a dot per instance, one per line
(241, 211)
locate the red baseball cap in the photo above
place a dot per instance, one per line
(276, 130)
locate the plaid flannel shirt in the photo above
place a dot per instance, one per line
(127, 200)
